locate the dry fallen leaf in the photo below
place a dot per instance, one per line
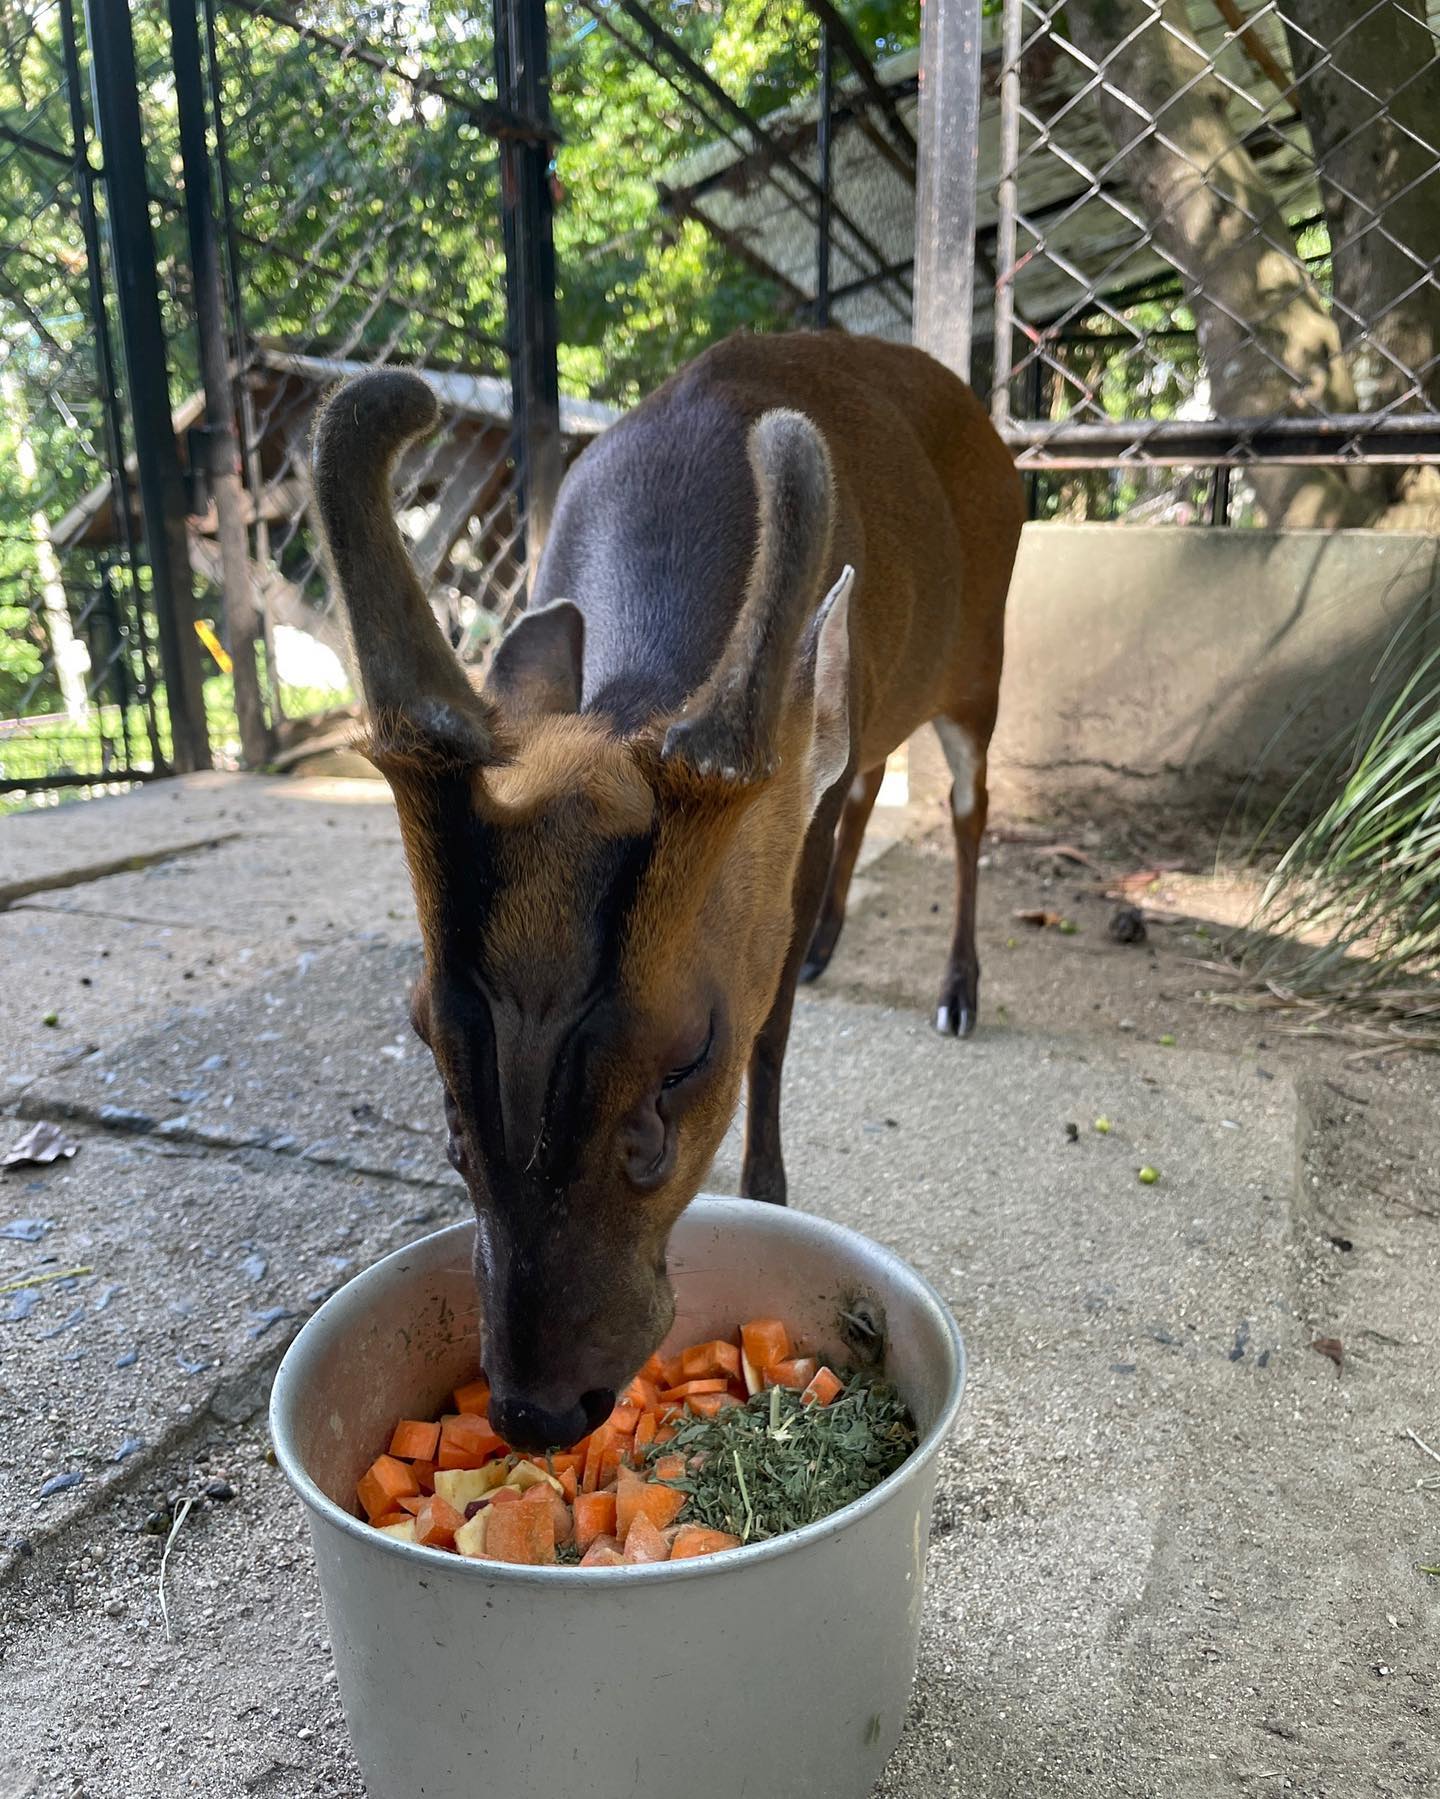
(1038, 917)
(1333, 1348)
(43, 1142)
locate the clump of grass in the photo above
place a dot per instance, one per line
(1353, 906)
(776, 1464)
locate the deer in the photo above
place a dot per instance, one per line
(634, 839)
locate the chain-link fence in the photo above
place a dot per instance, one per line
(1216, 237)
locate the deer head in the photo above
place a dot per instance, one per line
(604, 917)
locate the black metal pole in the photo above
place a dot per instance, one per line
(523, 84)
(822, 268)
(222, 451)
(109, 386)
(162, 489)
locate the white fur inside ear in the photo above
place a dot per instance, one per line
(830, 741)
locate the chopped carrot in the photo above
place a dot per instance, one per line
(644, 1543)
(594, 1517)
(414, 1440)
(706, 1359)
(797, 1372)
(590, 1479)
(569, 1485)
(436, 1523)
(467, 1442)
(647, 1498)
(523, 1534)
(765, 1340)
(643, 1394)
(474, 1398)
(424, 1473)
(664, 1433)
(714, 1384)
(697, 1539)
(612, 1458)
(505, 1496)
(670, 1371)
(557, 1464)
(654, 1372)
(707, 1405)
(823, 1388)
(644, 1434)
(410, 1502)
(604, 1552)
(382, 1483)
(668, 1467)
(386, 1519)
(542, 1493)
(623, 1419)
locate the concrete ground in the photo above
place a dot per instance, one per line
(1175, 1548)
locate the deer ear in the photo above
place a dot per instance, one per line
(729, 728)
(830, 745)
(416, 693)
(538, 663)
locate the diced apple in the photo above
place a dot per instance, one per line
(525, 1475)
(470, 1538)
(402, 1533)
(462, 1485)
(751, 1375)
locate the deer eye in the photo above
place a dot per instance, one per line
(678, 1076)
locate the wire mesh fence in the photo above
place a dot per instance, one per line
(1217, 234)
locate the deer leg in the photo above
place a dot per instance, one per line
(859, 804)
(762, 1174)
(959, 994)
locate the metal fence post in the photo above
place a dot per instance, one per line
(162, 488)
(222, 452)
(523, 83)
(947, 179)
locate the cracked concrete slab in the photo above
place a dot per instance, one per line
(1175, 1549)
(186, 1273)
(319, 1062)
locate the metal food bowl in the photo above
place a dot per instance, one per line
(781, 1670)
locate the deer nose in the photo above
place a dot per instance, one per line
(525, 1425)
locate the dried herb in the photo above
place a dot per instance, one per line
(774, 1464)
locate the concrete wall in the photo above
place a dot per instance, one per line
(1172, 666)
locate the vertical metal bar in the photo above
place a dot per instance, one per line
(523, 83)
(105, 370)
(1220, 495)
(823, 144)
(162, 490)
(222, 454)
(946, 188)
(1008, 202)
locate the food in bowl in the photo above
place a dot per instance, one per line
(728, 1442)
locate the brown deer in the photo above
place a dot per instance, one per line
(630, 845)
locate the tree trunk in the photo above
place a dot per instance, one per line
(1266, 336)
(1368, 89)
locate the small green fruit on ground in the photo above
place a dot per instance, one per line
(1149, 1175)
(1102, 1125)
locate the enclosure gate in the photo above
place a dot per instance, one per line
(163, 346)
(78, 674)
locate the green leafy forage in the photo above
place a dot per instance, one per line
(775, 1464)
